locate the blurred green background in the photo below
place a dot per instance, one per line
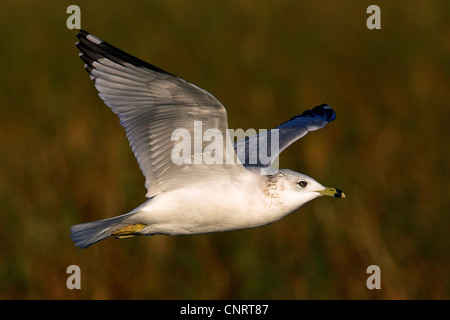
(65, 159)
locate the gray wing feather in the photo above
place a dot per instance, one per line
(151, 103)
(250, 149)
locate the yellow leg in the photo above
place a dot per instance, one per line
(128, 231)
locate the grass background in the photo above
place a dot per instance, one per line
(65, 159)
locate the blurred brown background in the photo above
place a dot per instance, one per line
(65, 159)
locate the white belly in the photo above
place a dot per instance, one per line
(197, 210)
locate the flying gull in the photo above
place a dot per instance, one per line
(192, 195)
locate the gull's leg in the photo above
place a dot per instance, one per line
(128, 231)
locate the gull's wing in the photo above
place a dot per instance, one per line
(151, 103)
(255, 151)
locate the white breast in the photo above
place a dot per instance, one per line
(204, 209)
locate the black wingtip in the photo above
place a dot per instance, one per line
(324, 110)
(82, 34)
(96, 48)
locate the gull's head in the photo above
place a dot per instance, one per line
(295, 189)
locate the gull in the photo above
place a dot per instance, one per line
(191, 197)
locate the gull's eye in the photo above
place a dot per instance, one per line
(302, 183)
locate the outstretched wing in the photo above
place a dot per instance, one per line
(262, 150)
(151, 103)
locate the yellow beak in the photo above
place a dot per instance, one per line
(332, 192)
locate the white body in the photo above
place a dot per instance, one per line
(203, 209)
(252, 200)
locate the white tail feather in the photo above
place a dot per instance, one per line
(86, 234)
